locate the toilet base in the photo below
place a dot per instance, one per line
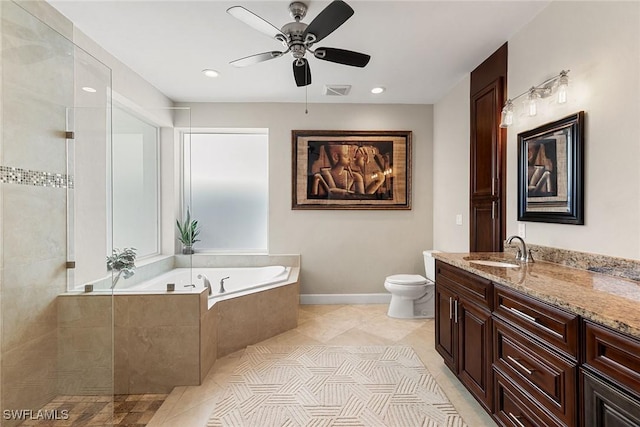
(406, 308)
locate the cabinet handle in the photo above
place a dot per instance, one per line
(523, 315)
(520, 365)
(533, 320)
(450, 308)
(455, 306)
(515, 419)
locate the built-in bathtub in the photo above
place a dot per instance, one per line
(238, 281)
(164, 339)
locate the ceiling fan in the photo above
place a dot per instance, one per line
(298, 38)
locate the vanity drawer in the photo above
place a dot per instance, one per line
(512, 408)
(553, 326)
(613, 354)
(474, 288)
(547, 377)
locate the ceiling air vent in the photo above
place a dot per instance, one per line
(337, 90)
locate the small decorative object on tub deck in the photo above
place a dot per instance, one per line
(188, 230)
(124, 262)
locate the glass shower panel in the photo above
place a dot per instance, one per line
(54, 343)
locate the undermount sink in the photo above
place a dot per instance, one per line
(493, 263)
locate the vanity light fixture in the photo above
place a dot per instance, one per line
(557, 84)
(210, 73)
(377, 90)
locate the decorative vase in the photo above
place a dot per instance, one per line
(187, 250)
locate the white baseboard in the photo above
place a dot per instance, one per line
(345, 298)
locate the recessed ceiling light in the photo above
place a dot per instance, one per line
(377, 90)
(210, 73)
(89, 89)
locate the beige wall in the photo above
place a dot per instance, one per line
(600, 43)
(451, 169)
(341, 251)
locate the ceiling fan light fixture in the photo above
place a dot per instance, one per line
(210, 73)
(378, 90)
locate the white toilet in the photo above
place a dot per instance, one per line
(413, 296)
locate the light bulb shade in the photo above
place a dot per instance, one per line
(563, 84)
(506, 118)
(532, 102)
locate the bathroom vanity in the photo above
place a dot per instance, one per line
(540, 344)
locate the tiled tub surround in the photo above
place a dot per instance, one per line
(164, 339)
(609, 300)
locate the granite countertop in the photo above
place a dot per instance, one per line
(608, 300)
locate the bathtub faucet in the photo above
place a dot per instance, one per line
(222, 285)
(207, 283)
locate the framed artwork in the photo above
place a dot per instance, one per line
(551, 172)
(351, 169)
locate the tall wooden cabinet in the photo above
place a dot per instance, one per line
(488, 153)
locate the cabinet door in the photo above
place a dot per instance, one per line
(446, 337)
(606, 406)
(485, 226)
(474, 351)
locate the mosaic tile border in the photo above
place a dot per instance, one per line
(11, 175)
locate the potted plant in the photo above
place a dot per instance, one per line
(124, 262)
(187, 233)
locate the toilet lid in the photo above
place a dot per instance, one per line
(407, 279)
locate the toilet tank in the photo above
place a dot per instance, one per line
(430, 264)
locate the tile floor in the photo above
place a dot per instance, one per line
(131, 410)
(331, 325)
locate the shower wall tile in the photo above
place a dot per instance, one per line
(85, 360)
(34, 224)
(26, 317)
(48, 273)
(34, 125)
(85, 341)
(46, 13)
(29, 371)
(85, 311)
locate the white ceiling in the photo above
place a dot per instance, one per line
(419, 49)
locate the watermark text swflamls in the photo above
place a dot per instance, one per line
(39, 415)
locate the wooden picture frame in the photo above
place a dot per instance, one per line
(334, 169)
(551, 172)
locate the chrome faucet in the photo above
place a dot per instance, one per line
(521, 254)
(222, 285)
(207, 283)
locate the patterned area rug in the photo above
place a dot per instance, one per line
(320, 386)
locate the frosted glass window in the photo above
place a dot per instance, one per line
(229, 176)
(135, 184)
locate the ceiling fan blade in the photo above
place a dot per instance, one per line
(341, 56)
(328, 20)
(256, 22)
(254, 59)
(301, 72)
